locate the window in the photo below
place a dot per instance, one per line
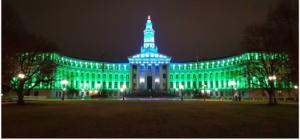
(164, 76)
(116, 85)
(157, 67)
(109, 85)
(127, 84)
(134, 67)
(134, 76)
(104, 85)
(164, 67)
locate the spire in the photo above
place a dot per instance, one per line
(149, 43)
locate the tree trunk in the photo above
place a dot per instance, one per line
(20, 93)
(272, 98)
(20, 98)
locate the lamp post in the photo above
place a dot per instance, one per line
(21, 76)
(232, 84)
(272, 78)
(122, 89)
(296, 90)
(295, 87)
(181, 87)
(204, 91)
(64, 83)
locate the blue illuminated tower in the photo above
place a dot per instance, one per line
(149, 51)
(149, 69)
(149, 42)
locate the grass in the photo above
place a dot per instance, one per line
(152, 119)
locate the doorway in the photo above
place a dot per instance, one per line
(149, 83)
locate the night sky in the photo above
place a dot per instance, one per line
(184, 28)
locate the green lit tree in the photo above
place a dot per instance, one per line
(276, 38)
(32, 68)
(269, 72)
(24, 64)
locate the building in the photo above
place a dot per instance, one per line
(150, 71)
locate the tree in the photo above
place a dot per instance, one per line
(25, 58)
(276, 41)
(268, 71)
(33, 67)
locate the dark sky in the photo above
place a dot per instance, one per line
(184, 28)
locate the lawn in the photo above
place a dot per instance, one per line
(140, 119)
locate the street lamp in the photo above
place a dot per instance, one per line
(122, 89)
(64, 83)
(296, 91)
(232, 84)
(295, 87)
(181, 87)
(204, 86)
(156, 80)
(272, 77)
(21, 75)
(208, 92)
(142, 80)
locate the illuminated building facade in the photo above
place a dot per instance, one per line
(152, 71)
(149, 69)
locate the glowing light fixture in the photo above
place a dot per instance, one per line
(231, 83)
(181, 87)
(156, 80)
(21, 75)
(295, 87)
(272, 78)
(142, 80)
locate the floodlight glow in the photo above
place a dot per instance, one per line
(295, 87)
(181, 86)
(64, 82)
(231, 83)
(272, 77)
(21, 75)
(142, 80)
